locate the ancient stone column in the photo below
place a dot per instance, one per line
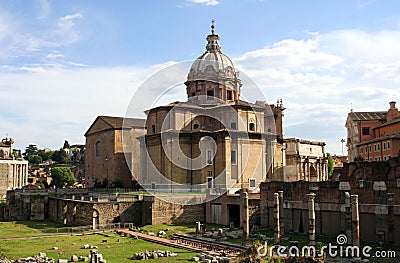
(198, 228)
(277, 235)
(355, 220)
(246, 226)
(281, 215)
(348, 224)
(311, 219)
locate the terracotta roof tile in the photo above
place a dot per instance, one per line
(368, 116)
(119, 122)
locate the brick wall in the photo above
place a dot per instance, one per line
(157, 211)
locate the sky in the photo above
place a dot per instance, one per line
(63, 63)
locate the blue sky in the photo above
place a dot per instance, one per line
(62, 63)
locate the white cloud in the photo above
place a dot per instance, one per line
(205, 2)
(55, 55)
(18, 39)
(321, 78)
(64, 102)
(289, 54)
(67, 22)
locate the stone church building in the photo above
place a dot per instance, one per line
(214, 141)
(218, 144)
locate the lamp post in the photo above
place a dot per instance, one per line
(342, 141)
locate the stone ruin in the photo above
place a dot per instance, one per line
(152, 254)
(40, 258)
(206, 258)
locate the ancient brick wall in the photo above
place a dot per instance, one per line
(376, 184)
(77, 212)
(157, 211)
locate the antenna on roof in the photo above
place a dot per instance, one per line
(351, 106)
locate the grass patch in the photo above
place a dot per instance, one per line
(25, 228)
(116, 249)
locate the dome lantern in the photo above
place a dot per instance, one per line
(213, 73)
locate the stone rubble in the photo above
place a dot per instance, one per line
(94, 257)
(40, 258)
(205, 258)
(152, 254)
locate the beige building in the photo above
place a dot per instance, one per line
(305, 160)
(217, 141)
(13, 172)
(214, 140)
(107, 162)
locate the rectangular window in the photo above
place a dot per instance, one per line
(365, 131)
(252, 182)
(388, 145)
(209, 182)
(379, 146)
(209, 156)
(374, 147)
(384, 145)
(153, 186)
(384, 157)
(229, 95)
(210, 94)
(233, 125)
(233, 157)
(366, 149)
(370, 148)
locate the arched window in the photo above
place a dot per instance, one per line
(98, 149)
(252, 126)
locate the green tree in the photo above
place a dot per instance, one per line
(66, 145)
(46, 155)
(330, 164)
(60, 156)
(62, 176)
(17, 153)
(34, 159)
(31, 149)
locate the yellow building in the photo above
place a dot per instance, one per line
(214, 140)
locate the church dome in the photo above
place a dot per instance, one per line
(213, 65)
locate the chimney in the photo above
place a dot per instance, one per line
(393, 112)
